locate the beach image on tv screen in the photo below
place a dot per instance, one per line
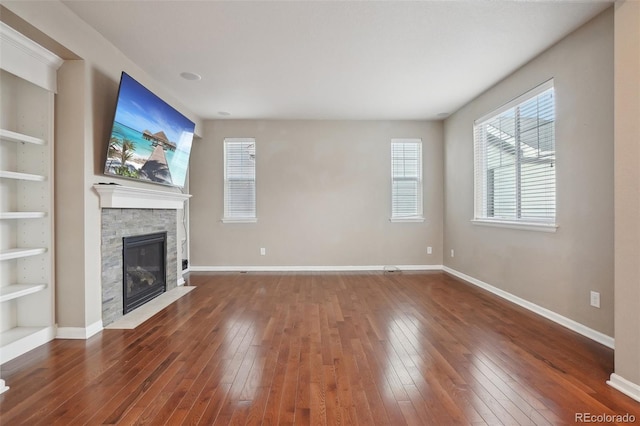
(149, 140)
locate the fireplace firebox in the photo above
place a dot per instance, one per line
(144, 270)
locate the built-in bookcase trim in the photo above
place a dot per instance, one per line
(26, 139)
(18, 340)
(15, 291)
(6, 174)
(18, 252)
(8, 135)
(22, 215)
(28, 60)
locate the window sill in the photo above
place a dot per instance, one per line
(524, 226)
(239, 220)
(414, 219)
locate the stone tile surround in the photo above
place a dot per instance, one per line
(119, 223)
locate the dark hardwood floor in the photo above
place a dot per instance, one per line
(321, 348)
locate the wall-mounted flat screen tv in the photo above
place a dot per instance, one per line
(150, 141)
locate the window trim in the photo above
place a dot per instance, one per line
(517, 101)
(420, 216)
(512, 223)
(408, 219)
(524, 226)
(232, 219)
(239, 220)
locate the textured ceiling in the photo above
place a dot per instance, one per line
(332, 59)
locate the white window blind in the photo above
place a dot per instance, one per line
(239, 179)
(406, 179)
(515, 160)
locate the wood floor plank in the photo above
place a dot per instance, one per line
(322, 348)
(287, 409)
(277, 365)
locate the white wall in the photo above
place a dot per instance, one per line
(554, 270)
(627, 195)
(323, 196)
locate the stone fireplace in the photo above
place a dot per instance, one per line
(127, 215)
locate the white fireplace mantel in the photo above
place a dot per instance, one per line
(128, 197)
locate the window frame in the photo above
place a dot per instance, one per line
(419, 214)
(227, 218)
(481, 169)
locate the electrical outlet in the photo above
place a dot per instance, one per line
(263, 251)
(429, 250)
(453, 253)
(595, 299)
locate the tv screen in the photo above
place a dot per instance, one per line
(150, 140)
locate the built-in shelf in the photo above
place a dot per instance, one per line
(8, 135)
(29, 74)
(15, 291)
(21, 176)
(17, 253)
(15, 334)
(22, 215)
(18, 340)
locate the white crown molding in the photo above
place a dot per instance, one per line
(623, 385)
(128, 197)
(555, 317)
(27, 59)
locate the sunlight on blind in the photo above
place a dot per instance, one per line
(406, 178)
(515, 176)
(239, 178)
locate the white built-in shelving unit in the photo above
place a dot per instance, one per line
(27, 297)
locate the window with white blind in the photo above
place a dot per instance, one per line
(239, 180)
(515, 162)
(406, 180)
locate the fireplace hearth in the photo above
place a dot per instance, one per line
(144, 271)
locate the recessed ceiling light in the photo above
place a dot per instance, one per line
(190, 76)
(443, 114)
(225, 113)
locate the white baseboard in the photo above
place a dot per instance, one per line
(27, 338)
(315, 268)
(3, 387)
(181, 281)
(79, 332)
(544, 312)
(628, 388)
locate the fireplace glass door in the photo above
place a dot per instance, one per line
(144, 276)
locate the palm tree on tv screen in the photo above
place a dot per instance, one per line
(123, 151)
